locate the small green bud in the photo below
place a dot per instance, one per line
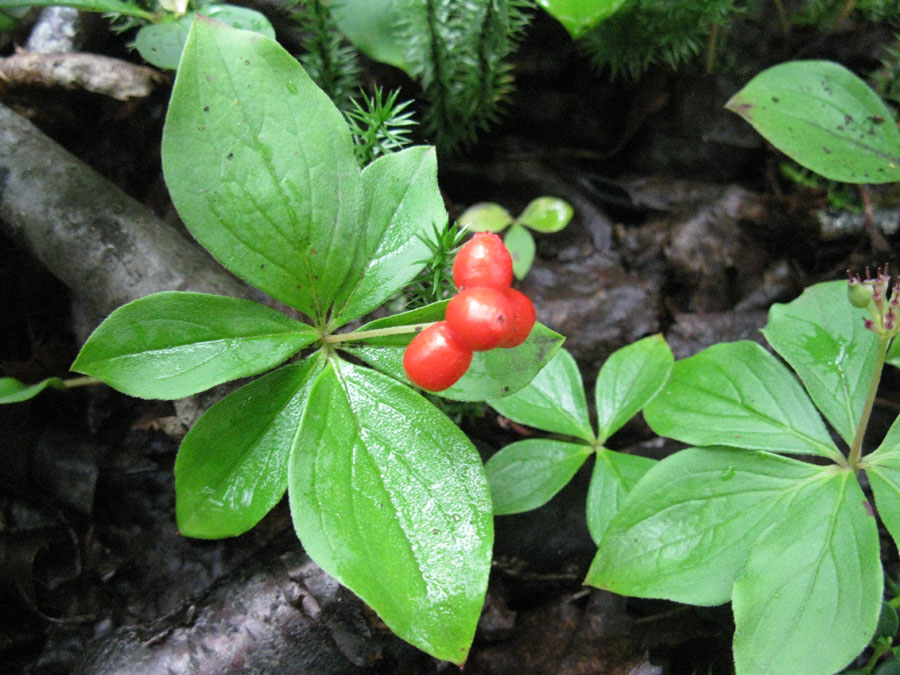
(860, 293)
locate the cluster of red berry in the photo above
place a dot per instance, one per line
(486, 313)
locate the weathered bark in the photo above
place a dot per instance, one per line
(106, 247)
(278, 613)
(95, 73)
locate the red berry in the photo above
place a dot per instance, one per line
(434, 360)
(522, 318)
(480, 318)
(483, 261)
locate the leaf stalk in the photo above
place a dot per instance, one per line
(376, 332)
(856, 447)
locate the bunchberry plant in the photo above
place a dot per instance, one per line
(386, 493)
(765, 510)
(526, 474)
(544, 214)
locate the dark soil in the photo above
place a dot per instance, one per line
(683, 226)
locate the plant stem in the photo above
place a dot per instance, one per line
(81, 382)
(856, 447)
(783, 18)
(711, 44)
(376, 332)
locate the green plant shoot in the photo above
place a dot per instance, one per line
(544, 214)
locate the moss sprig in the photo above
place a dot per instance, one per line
(330, 62)
(458, 50)
(380, 125)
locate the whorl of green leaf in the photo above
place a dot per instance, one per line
(379, 125)
(650, 32)
(458, 51)
(329, 61)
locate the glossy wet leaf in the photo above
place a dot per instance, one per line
(628, 380)
(173, 344)
(883, 470)
(822, 336)
(527, 474)
(389, 497)
(485, 217)
(493, 374)
(686, 528)
(579, 16)
(738, 394)
(231, 468)
(161, 43)
(613, 477)
(403, 205)
(825, 118)
(810, 595)
(520, 245)
(14, 391)
(260, 165)
(553, 401)
(546, 214)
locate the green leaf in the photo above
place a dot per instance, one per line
(375, 27)
(809, 597)
(546, 214)
(404, 204)
(686, 528)
(893, 354)
(553, 401)
(173, 344)
(520, 245)
(161, 43)
(485, 217)
(579, 16)
(7, 22)
(231, 468)
(883, 470)
(628, 380)
(613, 477)
(116, 6)
(261, 168)
(14, 391)
(822, 336)
(738, 394)
(390, 498)
(493, 374)
(825, 118)
(527, 474)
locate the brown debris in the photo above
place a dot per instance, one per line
(93, 73)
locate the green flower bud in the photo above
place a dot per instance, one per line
(860, 293)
